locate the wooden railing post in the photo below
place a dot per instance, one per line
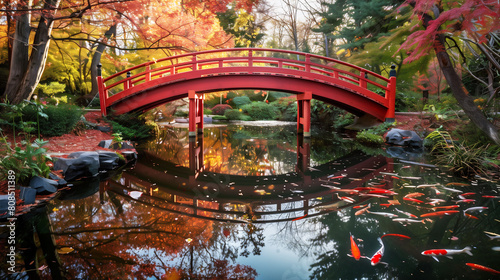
(390, 95)
(308, 63)
(250, 61)
(362, 78)
(103, 93)
(147, 76)
(195, 65)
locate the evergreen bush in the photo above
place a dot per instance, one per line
(234, 114)
(240, 101)
(261, 111)
(61, 119)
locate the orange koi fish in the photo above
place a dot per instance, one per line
(482, 267)
(447, 207)
(396, 235)
(362, 211)
(439, 213)
(413, 195)
(412, 199)
(470, 216)
(356, 254)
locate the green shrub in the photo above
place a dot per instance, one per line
(219, 118)
(61, 119)
(370, 139)
(287, 107)
(207, 111)
(261, 111)
(234, 114)
(133, 126)
(219, 109)
(180, 113)
(239, 101)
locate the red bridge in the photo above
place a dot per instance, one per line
(344, 85)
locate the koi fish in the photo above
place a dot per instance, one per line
(482, 267)
(466, 201)
(299, 218)
(375, 259)
(407, 214)
(470, 216)
(396, 235)
(434, 201)
(453, 190)
(446, 252)
(447, 207)
(415, 194)
(356, 254)
(412, 199)
(439, 213)
(382, 191)
(408, 221)
(468, 194)
(385, 214)
(479, 208)
(374, 195)
(362, 211)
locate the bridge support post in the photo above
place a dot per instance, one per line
(304, 113)
(195, 113)
(196, 157)
(390, 94)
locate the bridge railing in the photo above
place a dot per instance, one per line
(251, 61)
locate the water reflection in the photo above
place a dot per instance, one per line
(182, 214)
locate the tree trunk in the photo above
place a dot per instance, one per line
(96, 58)
(38, 57)
(19, 52)
(458, 90)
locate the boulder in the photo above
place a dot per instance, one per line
(28, 195)
(105, 143)
(129, 155)
(43, 185)
(78, 165)
(108, 160)
(402, 137)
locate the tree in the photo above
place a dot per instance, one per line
(142, 25)
(442, 23)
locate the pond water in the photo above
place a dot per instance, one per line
(259, 202)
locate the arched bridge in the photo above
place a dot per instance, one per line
(153, 83)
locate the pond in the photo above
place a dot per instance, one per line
(256, 201)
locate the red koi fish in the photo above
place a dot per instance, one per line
(413, 199)
(396, 235)
(375, 259)
(382, 191)
(355, 253)
(439, 213)
(447, 207)
(446, 252)
(415, 194)
(482, 267)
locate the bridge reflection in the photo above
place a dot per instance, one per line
(196, 192)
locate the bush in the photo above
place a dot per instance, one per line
(60, 119)
(287, 107)
(219, 109)
(261, 111)
(234, 114)
(207, 111)
(133, 126)
(370, 139)
(240, 101)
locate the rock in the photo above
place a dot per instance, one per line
(4, 204)
(401, 137)
(78, 165)
(60, 181)
(124, 145)
(108, 160)
(28, 195)
(129, 155)
(105, 143)
(104, 128)
(43, 185)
